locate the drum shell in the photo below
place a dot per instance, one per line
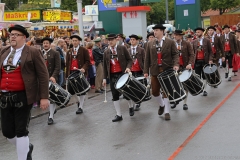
(58, 95)
(132, 89)
(77, 83)
(214, 78)
(194, 84)
(144, 82)
(171, 86)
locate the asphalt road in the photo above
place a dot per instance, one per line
(145, 136)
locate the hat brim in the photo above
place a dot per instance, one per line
(136, 37)
(199, 29)
(179, 33)
(162, 28)
(47, 39)
(20, 30)
(211, 28)
(76, 36)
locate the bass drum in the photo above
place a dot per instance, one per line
(58, 95)
(212, 75)
(131, 88)
(171, 86)
(77, 83)
(191, 82)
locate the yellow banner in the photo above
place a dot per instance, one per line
(21, 16)
(52, 16)
(66, 16)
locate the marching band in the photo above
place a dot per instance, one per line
(171, 68)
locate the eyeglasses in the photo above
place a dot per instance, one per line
(15, 35)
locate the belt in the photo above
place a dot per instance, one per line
(11, 92)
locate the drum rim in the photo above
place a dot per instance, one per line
(115, 85)
(208, 65)
(188, 77)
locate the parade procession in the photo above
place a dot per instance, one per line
(118, 80)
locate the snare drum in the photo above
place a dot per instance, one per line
(171, 86)
(144, 81)
(191, 82)
(77, 83)
(58, 95)
(131, 88)
(212, 75)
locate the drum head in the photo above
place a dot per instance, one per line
(185, 75)
(122, 80)
(208, 69)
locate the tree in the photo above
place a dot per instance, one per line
(224, 5)
(158, 12)
(205, 5)
(11, 4)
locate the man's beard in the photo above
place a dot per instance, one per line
(199, 36)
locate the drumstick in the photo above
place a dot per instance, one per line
(105, 101)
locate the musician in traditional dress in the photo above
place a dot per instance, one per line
(138, 54)
(161, 54)
(150, 37)
(217, 47)
(203, 54)
(121, 40)
(53, 62)
(230, 48)
(116, 61)
(24, 80)
(77, 58)
(186, 58)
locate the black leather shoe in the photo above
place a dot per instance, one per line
(229, 79)
(29, 155)
(79, 111)
(173, 105)
(226, 75)
(167, 117)
(185, 107)
(102, 90)
(98, 91)
(161, 110)
(117, 118)
(235, 74)
(137, 107)
(215, 87)
(204, 93)
(50, 121)
(131, 111)
(55, 111)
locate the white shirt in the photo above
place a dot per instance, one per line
(75, 49)
(227, 36)
(115, 49)
(179, 43)
(201, 41)
(161, 42)
(135, 49)
(16, 56)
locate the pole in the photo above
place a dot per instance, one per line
(167, 21)
(80, 19)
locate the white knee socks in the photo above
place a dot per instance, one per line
(167, 105)
(117, 107)
(22, 147)
(185, 100)
(81, 101)
(160, 100)
(205, 84)
(230, 72)
(52, 108)
(130, 103)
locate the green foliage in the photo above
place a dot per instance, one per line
(221, 5)
(10, 4)
(158, 12)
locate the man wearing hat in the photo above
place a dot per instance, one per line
(189, 38)
(116, 61)
(166, 48)
(22, 67)
(150, 37)
(203, 54)
(52, 61)
(77, 58)
(186, 57)
(121, 40)
(138, 54)
(230, 48)
(217, 47)
(98, 58)
(236, 59)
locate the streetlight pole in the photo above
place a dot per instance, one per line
(80, 19)
(167, 21)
